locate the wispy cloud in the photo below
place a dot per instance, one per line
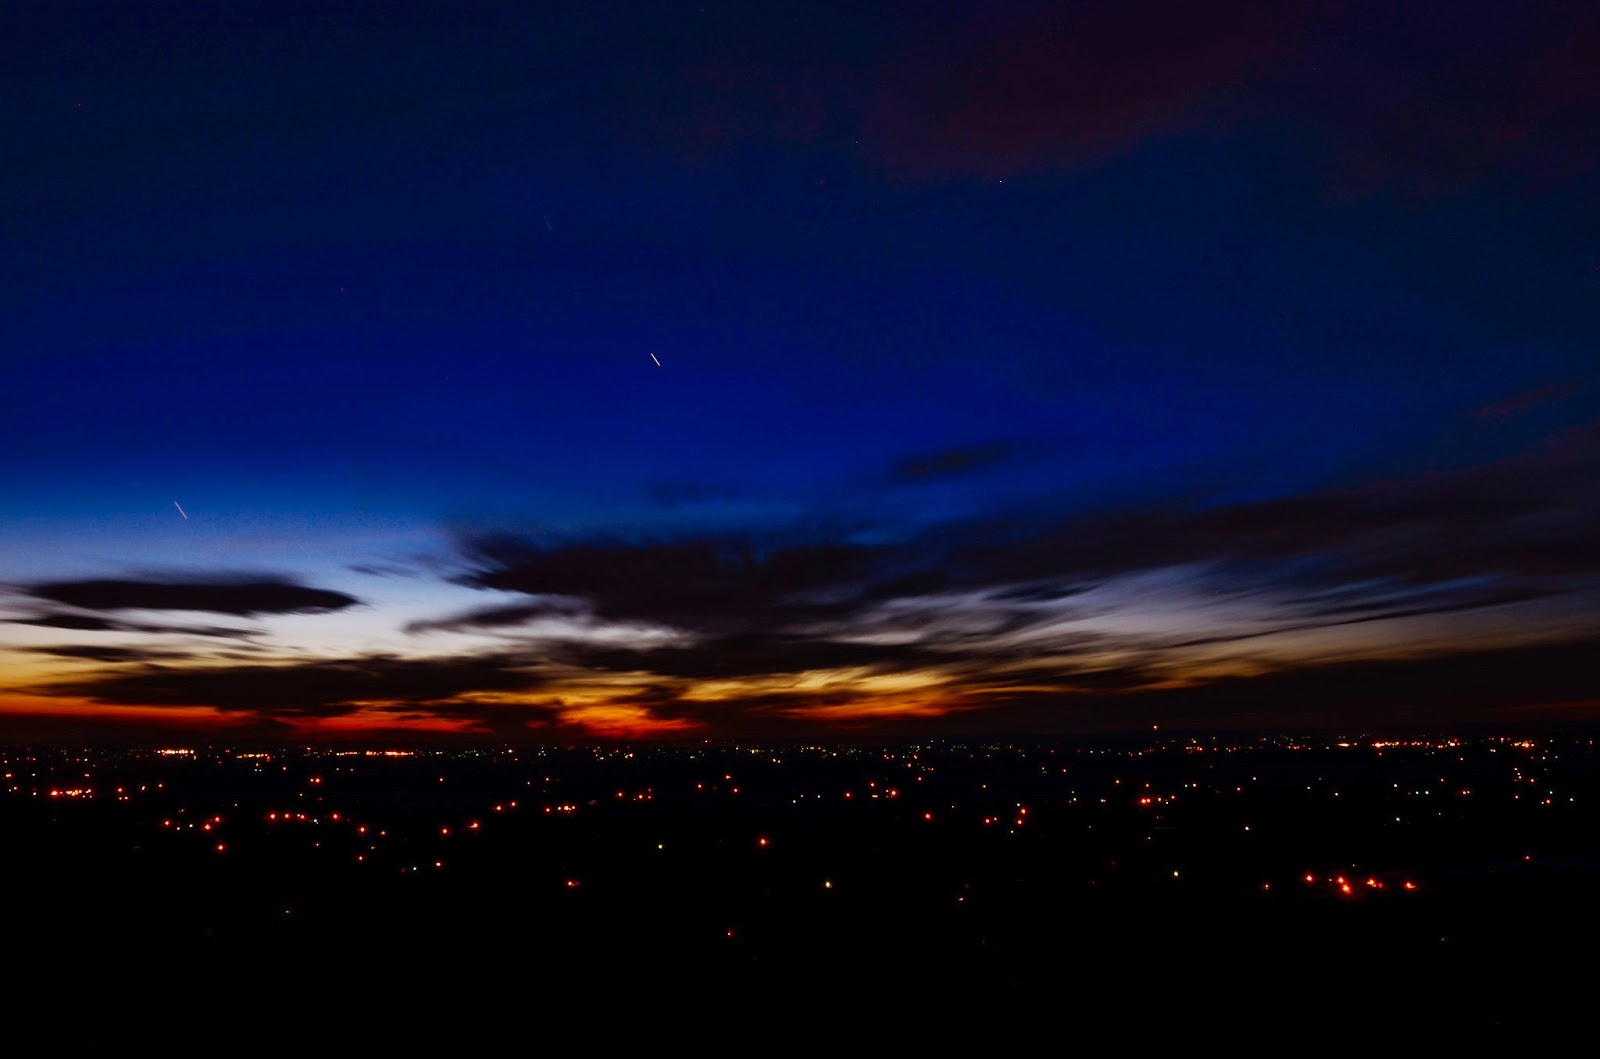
(309, 687)
(951, 463)
(243, 595)
(711, 583)
(504, 617)
(95, 623)
(107, 653)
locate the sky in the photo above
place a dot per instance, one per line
(517, 373)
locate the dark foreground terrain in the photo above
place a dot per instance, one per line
(1272, 884)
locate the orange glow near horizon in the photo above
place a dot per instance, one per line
(625, 722)
(587, 710)
(600, 719)
(373, 718)
(46, 707)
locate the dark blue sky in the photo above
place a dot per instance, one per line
(1021, 368)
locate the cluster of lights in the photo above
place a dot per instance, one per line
(1356, 885)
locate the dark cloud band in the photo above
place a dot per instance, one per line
(241, 596)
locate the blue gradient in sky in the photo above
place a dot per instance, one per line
(367, 287)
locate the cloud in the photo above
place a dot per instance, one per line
(747, 654)
(1378, 604)
(1099, 608)
(243, 595)
(951, 463)
(1510, 689)
(499, 617)
(1363, 613)
(78, 622)
(98, 653)
(1430, 102)
(1525, 401)
(315, 688)
(384, 570)
(1025, 619)
(1479, 685)
(508, 723)
(1529, 517)
(1425, 102)
(1021, 86)
(93, 623)
(1047, 593)
(704, 584)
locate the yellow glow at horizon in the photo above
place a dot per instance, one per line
(870, 710)
(816, 681)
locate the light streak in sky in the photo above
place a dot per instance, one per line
(653, 357)
(181, 511)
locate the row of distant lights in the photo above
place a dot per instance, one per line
(1341, 883)
(1349, 889)
(832, 751)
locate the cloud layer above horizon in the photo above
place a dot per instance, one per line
(1374, 606)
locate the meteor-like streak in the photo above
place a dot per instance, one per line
(653, 357)
(181, 511)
